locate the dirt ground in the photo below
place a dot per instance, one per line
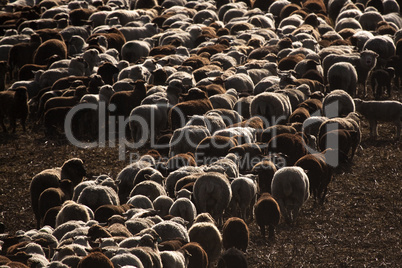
(358, 226)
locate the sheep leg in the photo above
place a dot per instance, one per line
(271, 234)
(262, 230)
(13, 124)
(2, 124)
(398, 128)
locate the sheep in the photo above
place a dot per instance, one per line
(291, 145)
(318, 172)
(13, 104)
(229, 117)
(213, 147)
(290, 187)
(95, 259)
(139, 33)
(48, 49)
(235, 233)
(312, 125)
(338, 103)
(76, 67)
(148, 188)
(342, 75)
(350, 122)
(168, 230)
(299, 115)
(198, 257)
(244, 191)
(95, 196)
(213, 122)
(134, 50)
(212, 193)
(380, 111)
(186, 139)
(209, 238)
(174, 259)
(162, 204)
(196, 102)
(124, 259)
(272, 107)
(232, 258)
(53, 197)
(363, 64)
(183, 208)
(71, 210)
(381, 81)
(267, 212)
(150, 117)
(115, 38)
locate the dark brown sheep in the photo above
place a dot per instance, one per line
(273, 131)
(49, 48)
(381, 81)
(108, 72)
(211, 148)
(289, 62)
(291, 145)
(126, 101)
(95, 260)
(79, 16)
(235, 233)
(318, 172)
(3, 75)
(13, 104)
(196, 102)
(232, 258)
(22, 53)
(346, 141)
(267, 212)
(66, 101)
(180, 160)
(198, 257)
(265, 171)
(54, 197)
(27, 72)
(299, 115)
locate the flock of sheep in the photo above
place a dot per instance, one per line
(247, 108)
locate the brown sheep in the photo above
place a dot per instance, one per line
(49, 48)
(273, 131)
(291, 145)
(79, 16)
(13, 104)
(265, 171)
(262, 4)
(345, 141)
(3, 75)
(213, 147)
(196, 102)
(66, 101)
(115, 38)
(299, 115)
(235, 233)
(54, 197)
(22, 53)
(108, 72)
(319, 174)
(27, 72)
(95, 260)
(180, 160)
(289, 62)
(198, 257)
(312, 106)
(126, 101)
(267, 212)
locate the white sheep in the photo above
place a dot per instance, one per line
(147, 120)
(272, 107)
(212, 193)
(385, 111)
(212, 122)
(140, 201)
(210, 239)
(244, 190)
(123, 259)
(183, 208)
(139, 33)
(95, 196)
(173, 259)
(168, 230)
(338, 103)
(290, 188)
(343, 75)
(71, 210)
(186, 139)
(136, 49)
